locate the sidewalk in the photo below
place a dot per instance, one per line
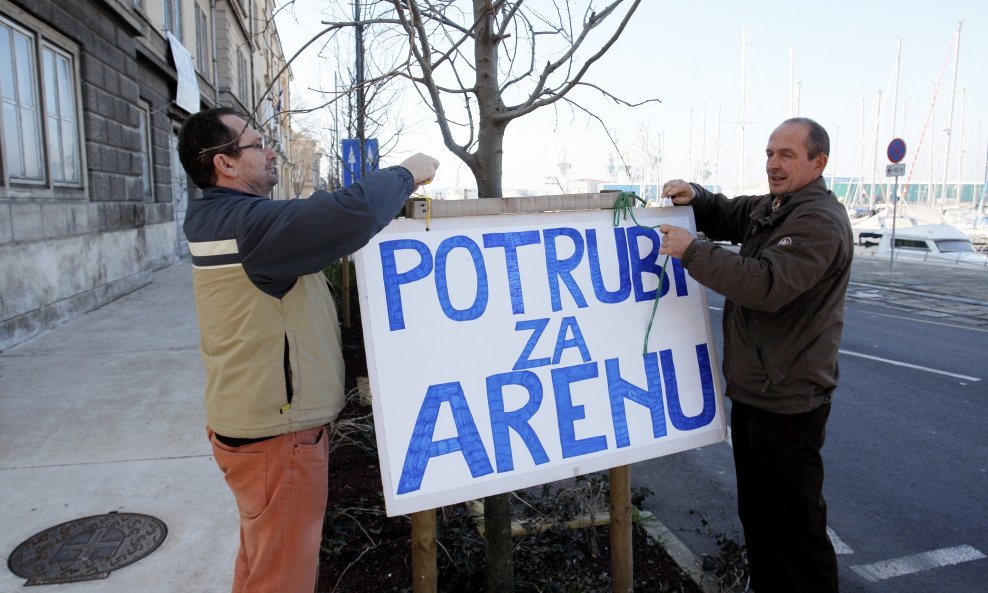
(103, 414)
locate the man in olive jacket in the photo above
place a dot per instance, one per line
(783, 318)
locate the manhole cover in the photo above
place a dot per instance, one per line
(86, 549)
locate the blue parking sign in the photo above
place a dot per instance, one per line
(355, 163)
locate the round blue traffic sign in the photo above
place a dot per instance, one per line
(897, 150)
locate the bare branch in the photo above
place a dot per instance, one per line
(617, 149)
(533, 101)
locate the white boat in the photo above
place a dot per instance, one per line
(869, 226)
(931, 242)
(972, 223)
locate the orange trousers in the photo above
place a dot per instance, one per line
(281, 488)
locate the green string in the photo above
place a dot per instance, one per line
(624, 205)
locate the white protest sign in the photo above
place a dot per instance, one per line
(506, 351)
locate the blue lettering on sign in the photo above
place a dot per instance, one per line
(567, 413)
(442, 289)
(632, 266)
(596, 277)
(676, 415)
(568, 325)
(620, 390)
(511, 242)
(525, 359)
(393, 280)
(422, 448)
(562, 269)
(649, 264)
(518, 420)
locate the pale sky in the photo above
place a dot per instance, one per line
(689, 55)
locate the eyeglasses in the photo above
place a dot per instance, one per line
(259, 145)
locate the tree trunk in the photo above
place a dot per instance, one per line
(487, 166)
(499, 572)
(487, 169)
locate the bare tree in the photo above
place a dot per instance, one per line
(483, 69)
(364, 48)
(479, 65)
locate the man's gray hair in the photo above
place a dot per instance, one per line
(817, 139)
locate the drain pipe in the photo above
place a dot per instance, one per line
(216, 62)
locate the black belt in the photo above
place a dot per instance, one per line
(235, 442)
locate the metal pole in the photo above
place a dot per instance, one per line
(895, 92)
(895, 204)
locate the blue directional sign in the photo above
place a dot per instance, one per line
(896, 150)
(356, 164)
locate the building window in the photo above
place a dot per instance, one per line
(60, 111)
(202, 41)
(173, 17)
(139, 4)
(147, 161)
(242, 77)
(31, 67)
(21, 115)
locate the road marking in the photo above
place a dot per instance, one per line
(879, 571)
(911, 366)
(839, 546)
(929, 322)
(715, 308)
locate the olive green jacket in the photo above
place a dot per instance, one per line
(785, 292)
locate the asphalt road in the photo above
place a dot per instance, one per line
(906, 458)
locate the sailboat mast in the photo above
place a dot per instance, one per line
(984, 193)
(717, 153)
(874, 159)
(960, 150)
(933, 148)
(792, 113)
(833, 162)
(950, 112)
(744, 46)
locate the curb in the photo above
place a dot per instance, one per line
(677, 550)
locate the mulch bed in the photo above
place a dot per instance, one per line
(364, 551)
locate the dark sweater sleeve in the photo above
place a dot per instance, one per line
(281, 240)
(719, 218)
(780, 273)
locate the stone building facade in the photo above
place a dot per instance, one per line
(92, 94)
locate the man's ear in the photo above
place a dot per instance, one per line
(224, 166)
(820, 163)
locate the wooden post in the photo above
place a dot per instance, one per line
(424, 552)
(345, 279)
(622, 572)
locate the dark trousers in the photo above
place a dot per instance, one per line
(780, 499)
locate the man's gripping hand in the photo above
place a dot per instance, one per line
(421, 166)
(682, 193)
(675, 240)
